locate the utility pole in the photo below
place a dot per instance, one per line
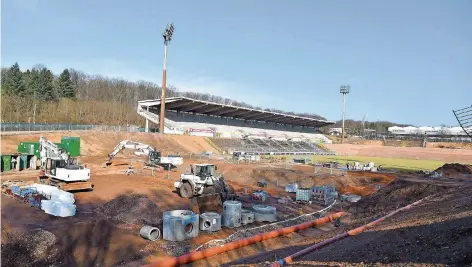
(167, 37)
(344, 90)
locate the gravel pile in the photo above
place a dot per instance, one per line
(132, 209)
(176, 249)
(34, 248)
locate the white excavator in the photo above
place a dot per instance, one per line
(155, 158)
(60, 170)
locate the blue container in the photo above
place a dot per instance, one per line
(27, 191)
(15, 189)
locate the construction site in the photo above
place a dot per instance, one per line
(114, 169)
(134, 210)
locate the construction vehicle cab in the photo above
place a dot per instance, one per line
(204, 171)
(58, 169)
(68, 170)
(203, 180)
(155, 156)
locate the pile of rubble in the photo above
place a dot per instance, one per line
(452, 170)
(34, 248)
(132, 209)
(397, 194)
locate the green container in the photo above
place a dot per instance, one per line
(6, 163)
(72, 145)
(30, 148)
(23, 162)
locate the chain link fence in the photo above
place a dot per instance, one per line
(451, 139)
(38, 127)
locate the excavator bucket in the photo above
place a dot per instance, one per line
(107, 163)
(207, 203)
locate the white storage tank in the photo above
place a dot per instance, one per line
(232, 213)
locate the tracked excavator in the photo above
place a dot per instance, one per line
(60, 170)
(154, 157)
(206, 189)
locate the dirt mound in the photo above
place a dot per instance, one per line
(32, 248)
(132, 209)
(97, 143)
(454, 169)
(398, 194)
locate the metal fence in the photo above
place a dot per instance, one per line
(36, 127)
(389, 137)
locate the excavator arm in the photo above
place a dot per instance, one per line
(48, 149)
(140, 149)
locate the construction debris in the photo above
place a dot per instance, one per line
(455, 170)
(132, 209)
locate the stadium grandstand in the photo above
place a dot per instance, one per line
(239, 129)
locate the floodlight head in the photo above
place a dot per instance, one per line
(344, 89)
(167, 35)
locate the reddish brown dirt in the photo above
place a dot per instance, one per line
(449, 145)
(101, 143)
(88, 238)
(440, 154)
(438, 232)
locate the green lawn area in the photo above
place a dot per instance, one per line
(390, 163)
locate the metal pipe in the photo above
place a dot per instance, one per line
(289, 259)
(198, 255)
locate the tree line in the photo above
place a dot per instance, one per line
(37, 95)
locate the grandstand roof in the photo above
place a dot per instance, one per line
(185, 104)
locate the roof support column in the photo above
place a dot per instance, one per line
(147, 122)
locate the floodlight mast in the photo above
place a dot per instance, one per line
(167, 35)
(344, 89)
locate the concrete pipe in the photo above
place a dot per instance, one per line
(198, 255)
(232, 213)
(264, 213)
(150, 233)
(210, 221)
(247, 217)
(180, 225)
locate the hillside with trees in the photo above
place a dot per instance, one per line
(73, 97)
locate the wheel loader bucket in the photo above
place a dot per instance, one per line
(207, 203)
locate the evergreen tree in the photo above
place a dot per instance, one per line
(64, 85)
(13, 81)
(40, 83)
(3, 75)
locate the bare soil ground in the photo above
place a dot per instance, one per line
(101, 235)
(438, 232)
(427, 153)
(101, 143)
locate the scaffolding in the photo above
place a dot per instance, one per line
(464, 117)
